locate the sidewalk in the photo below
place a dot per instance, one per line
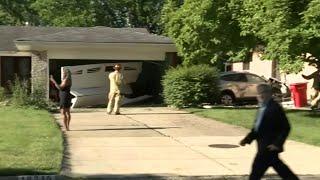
(161, 142)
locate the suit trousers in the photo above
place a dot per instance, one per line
(114, 102)
(265, 159)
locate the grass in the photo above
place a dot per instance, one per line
(30, 142)
(305, 124)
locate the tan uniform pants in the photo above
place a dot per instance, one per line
(114, 102)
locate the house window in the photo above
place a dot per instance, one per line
(228, 67)
(246, 65)
(12, 67)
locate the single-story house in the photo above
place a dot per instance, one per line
(36, 52)
(268, 68)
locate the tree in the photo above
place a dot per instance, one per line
(310, 31)
(111, 13)
(130, 13)
(287, 30)
(145, 13)
(17, 12)
(215, 31)
(205, 31)
(65, 12)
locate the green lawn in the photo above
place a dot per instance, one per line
(305, 124)
(30, 142)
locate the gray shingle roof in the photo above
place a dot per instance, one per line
(10, 34)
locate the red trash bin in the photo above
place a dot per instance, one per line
(299, 94)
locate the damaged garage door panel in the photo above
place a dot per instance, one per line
(90, 83)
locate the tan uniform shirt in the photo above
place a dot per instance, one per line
(115, 81)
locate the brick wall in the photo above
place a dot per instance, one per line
(39, 71)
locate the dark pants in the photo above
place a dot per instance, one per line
(264, 160)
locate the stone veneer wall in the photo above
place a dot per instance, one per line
(39, 71)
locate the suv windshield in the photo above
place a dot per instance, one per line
(254, 79)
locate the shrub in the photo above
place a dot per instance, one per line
(191, 86)
(37, 98)
(19, 93)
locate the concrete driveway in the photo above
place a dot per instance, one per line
(163, 142)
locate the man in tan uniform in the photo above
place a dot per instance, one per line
(114, 94)
(315, 97)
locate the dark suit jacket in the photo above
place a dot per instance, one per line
(274, 128)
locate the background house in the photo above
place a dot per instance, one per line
(268, 68)
(36, 52)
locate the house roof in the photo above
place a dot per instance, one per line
(11, 34)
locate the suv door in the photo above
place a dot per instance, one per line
(253, 82)
(237, 83)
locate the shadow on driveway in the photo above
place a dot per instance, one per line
(125, 129)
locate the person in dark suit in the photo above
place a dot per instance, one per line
(271, 129)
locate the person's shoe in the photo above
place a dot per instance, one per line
(109, 113)
(117, 113)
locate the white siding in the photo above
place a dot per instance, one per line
(261, 68)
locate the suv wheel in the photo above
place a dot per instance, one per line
(227, 99)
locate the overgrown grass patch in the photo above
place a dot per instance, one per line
(30, 142)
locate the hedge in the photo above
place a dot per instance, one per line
(191, 86)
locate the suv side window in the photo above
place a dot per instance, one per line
(254, 79)
(234, 77)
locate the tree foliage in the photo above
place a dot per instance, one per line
(111, 13)
(204, 31)
(310, 31)
(17, 12)
(65, 12)
(212, 31)
(280, 27)
(145, 13)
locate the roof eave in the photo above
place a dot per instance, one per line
(43, 45)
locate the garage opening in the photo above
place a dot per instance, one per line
(91, 84)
